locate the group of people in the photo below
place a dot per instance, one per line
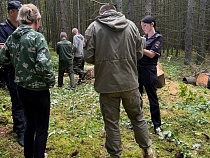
(71, 57)
(124, 62)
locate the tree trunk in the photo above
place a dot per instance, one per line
(63, 16)
(1, 14)
(78, 14)
(189, 33)
(148, 7)
(130, 13)
(119, 5)
(200, 48)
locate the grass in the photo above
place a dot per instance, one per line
(77, 129)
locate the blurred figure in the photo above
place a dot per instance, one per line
(28, 52)
(147, 68)
(78, 41)
(113, 46)
(8, 72)
(65, 51)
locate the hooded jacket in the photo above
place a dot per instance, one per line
(78, 41)
(28, 52)
(113, 46)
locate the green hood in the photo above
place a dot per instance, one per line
(113, 19)
(21, 30)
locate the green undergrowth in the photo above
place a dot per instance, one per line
(76, 126)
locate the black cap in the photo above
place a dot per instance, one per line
(148, 19)
(14, 5)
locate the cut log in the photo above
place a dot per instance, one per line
(189, 80)
(203, 79)
(89, 73)
(160, 76)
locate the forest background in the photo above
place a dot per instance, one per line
(76, 125)
(184, 24)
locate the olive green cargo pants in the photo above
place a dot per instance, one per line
(110, 108)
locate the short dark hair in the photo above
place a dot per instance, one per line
(106, 7)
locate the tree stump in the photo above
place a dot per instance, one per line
(203, 79)
(160, 76)
(90, 73)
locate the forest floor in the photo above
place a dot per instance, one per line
(77, 129)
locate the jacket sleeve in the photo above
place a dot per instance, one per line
(89, 49)
(43, 64)
(141, 43)
(57, 48)
(157, 45)
(4, 55)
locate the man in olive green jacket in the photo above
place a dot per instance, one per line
(113, 46)
(65, 51)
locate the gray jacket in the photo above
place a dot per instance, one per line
(78, 41)
(113, 44)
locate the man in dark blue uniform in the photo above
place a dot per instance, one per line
(6, 29)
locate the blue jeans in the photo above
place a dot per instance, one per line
(36, 106)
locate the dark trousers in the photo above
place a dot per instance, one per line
(64, 65)
(79, 67)
(148, 80)
(17, 109)
(37, 110)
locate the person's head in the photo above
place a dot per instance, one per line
(148, 24)
(106, 7)
(63, 35)
(13, 8)
(29, 15)
(75, 31)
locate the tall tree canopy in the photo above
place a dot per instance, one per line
(184, 25)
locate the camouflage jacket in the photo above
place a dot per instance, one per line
(28, 52)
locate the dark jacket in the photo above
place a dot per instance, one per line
(113, 44)
(153, 44)
(6, 29)
(65, 51)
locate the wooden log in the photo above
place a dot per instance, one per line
(203, 79)
(189, 80)
(160, 76)
(90, 73)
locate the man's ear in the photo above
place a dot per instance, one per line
(10, 12)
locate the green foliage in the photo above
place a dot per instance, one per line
(76, 126)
